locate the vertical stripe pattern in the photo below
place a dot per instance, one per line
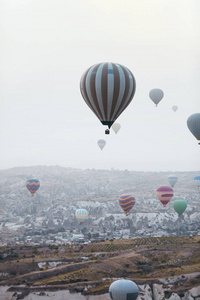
(81, 214)
(107, 88)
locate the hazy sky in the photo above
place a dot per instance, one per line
(46, 45)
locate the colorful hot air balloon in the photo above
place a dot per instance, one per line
(180, 206)
(126, 202)
(108, 89)
(33, 185)
(156, 95)
(81, 215)
(197, 180)
(101, 144)
(174, 108)
(164, 194)
(193, 123)
(116, 127)
(172, 179)
(123, 289)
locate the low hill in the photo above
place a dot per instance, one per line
(91, 268)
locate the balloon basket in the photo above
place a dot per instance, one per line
(107, 131)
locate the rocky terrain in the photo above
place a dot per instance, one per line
(164, 268)
(51, 211)
(46, 254)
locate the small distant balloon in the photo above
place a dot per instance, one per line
(180, 206)
(193, 123)
(197, 180)
(174, 108)
(156, 95)
(116, 127)
(172, 179)
(33, 185)
(123, 289)
(164, 194)
(126, 201)
(101, 144)
(107, 88)
(81, 215)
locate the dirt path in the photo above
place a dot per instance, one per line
(35, 275)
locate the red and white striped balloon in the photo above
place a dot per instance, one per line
(164, 194)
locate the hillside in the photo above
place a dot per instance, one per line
(49, 216)
(91, 268)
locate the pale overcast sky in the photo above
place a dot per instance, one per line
(45, 47)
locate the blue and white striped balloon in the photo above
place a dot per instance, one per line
(81, 214)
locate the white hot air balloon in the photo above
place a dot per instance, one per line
(174, 108)
(101, 144)
(156, 95)
(123, 289)
(116, 127)
(81, 215)
(172, 179)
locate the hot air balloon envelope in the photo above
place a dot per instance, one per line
(193, 123)
(123, 289)
(126, 202)
(174, 108)
(156, 95)
(101, 144)
(116, 127)
(33, 185)
(81, 214)
(172, 179)
(197, 180)
(180, 206)
(164, 194)
(108, 89)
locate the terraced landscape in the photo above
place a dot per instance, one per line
(91, 268)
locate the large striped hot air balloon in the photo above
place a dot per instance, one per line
(33, 185)
(107, 88)
(164, 194)
(126, 202)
